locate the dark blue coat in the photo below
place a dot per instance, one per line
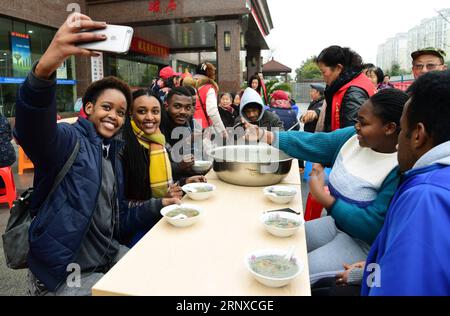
(57, 232)
(287, 116)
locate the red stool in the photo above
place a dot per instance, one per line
(9, 192)
(313, 208)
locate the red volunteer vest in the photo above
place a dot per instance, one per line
(201, 115)
(360, 81)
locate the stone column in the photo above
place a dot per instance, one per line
(253, 61)
(228, 61)
(83, 71)
(83, 64)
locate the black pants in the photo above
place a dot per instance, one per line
(328, 287)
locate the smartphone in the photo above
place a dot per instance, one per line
(118, 39)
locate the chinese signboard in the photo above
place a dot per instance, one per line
(97, 68)
(21, 54)
(144, 47)
(155, 6)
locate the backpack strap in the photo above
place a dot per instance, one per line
(65, 169)
(202, 105)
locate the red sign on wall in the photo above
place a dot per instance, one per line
(147, 48)
(154, 6)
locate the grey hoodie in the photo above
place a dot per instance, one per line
(266, 119)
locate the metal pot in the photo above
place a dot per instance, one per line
(251, 166)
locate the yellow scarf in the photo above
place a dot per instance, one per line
(160, 170)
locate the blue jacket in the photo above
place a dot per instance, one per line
(57, 232)
(412, 250)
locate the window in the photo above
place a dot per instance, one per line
(40, 38)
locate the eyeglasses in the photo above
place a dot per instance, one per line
(427, 66)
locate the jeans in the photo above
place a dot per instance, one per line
(329, 248)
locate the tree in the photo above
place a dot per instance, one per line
(273, 85)
(396, 70)
(308, 70)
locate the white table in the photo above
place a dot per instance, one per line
(207, 259)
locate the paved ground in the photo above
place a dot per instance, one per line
(13, 282)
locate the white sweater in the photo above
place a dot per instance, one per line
(213, 111)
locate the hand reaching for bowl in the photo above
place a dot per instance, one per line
(175, 191)
(255, 134)
(309, 116)
(187, 163)
(170, 201)
(196, 179)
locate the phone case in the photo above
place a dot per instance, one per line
(118, 40)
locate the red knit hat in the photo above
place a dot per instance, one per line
(280, 95)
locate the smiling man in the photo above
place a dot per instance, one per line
(176, 125)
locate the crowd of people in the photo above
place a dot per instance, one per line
(389, 151)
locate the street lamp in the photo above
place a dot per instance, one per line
(227, 40)
(242, 41)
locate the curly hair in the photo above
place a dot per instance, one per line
(96, 89)
(430, 105)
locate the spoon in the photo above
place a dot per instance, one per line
(287, 210)
(190, 190)
(237, 125)
(180, 216)
(290, 254)
(298, 122)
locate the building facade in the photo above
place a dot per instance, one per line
(179, 33)
(432, 32)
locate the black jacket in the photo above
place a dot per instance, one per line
(227, 117)
(315, 106)
(353, 99)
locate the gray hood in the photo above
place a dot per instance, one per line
(438, 155)
(250, 96)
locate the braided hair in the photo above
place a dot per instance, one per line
(136, 160)
(388, 105)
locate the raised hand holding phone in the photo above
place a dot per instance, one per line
(64, 44)
(118, 39)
